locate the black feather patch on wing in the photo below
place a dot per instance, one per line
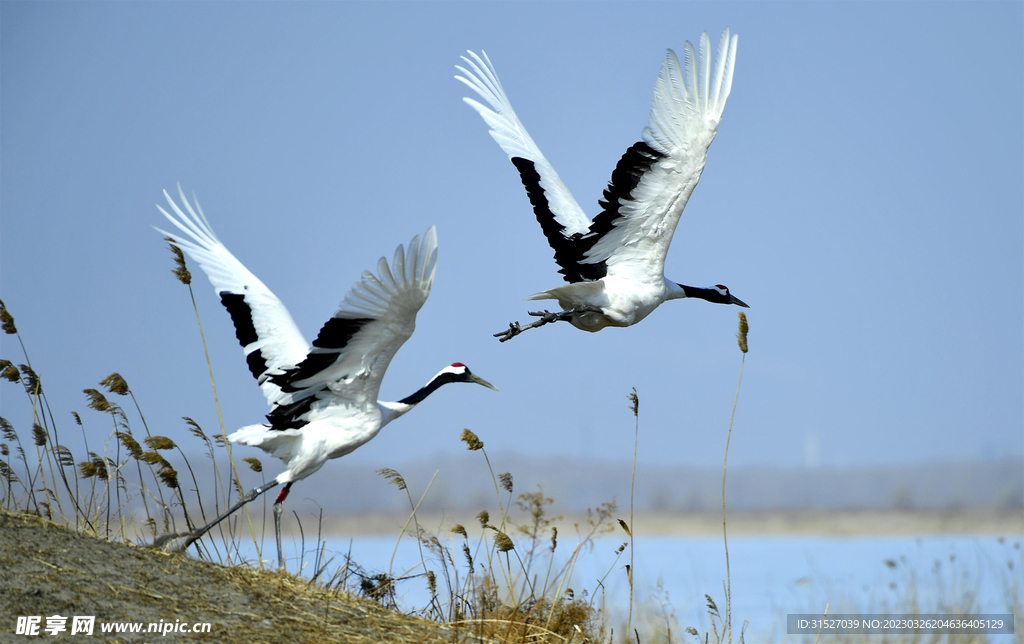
(336, 333)
(257, 364)
(241, 315)
(637, 160)
(245, 330)
(329, 344)
(290, 416)
(314, 363)
(569, 249)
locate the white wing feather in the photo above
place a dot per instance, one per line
(385, 306)
(685, 113)
(278, 339)
(513, 138)
(389, 302)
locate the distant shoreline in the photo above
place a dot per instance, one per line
(843, 523)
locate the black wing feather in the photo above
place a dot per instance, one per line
(330, 342)
(571, 250)
(245, 330)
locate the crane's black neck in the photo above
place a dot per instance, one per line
(709, 294)
(421, 394)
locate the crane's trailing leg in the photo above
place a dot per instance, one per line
(546, 317)
(278, 508)
(196, 535)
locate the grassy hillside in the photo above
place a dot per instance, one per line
(50, 570)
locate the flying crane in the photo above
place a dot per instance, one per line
(323, 399)
(614, 265)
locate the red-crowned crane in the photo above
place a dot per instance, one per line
(615, 263)
(323, 399)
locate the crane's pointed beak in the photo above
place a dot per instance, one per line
(480, 381)
(737, 301)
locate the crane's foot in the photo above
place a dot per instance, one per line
(514, 328)
(512, 331)
(545, 317)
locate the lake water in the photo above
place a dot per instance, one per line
(771, 576)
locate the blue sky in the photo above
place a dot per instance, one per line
(863, 195)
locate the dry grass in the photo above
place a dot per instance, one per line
(52, 570)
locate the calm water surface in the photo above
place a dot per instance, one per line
(771, 576)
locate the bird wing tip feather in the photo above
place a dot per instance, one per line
(430, 238)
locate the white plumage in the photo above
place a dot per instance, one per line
(615, 263)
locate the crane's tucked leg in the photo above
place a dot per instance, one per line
(278, 509)
(195, 535)
(546, 317)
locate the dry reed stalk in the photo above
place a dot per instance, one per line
(822, 624)
(473, 444)
(741, 339)
(185, 277)
(116, 384)
(412, 517)
(571, 566)
(634, 406)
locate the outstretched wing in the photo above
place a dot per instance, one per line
(263, 326)
(355, 347)
(653, 180)
(564, 223)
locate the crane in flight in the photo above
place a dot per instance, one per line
(323, 399)
(614, 265)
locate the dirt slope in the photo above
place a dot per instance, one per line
(47, 570)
